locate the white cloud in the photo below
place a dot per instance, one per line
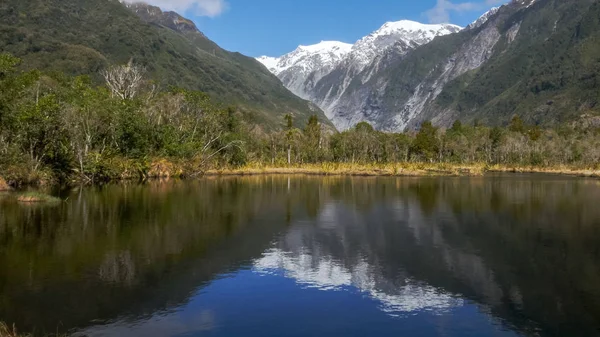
(210, 8)
(443, 8)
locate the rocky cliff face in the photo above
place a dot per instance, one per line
(303, 68)
(521, 58)
(168, 19)
(322, 73)
(525, 58)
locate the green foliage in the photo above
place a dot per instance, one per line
(426, 144)
(289, 124)
(456, 127)
(313, 141)
(173, 56)
(54, 126)
(547, 74)
(71, 127)
(516, 125)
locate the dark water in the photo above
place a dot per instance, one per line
(307, 256)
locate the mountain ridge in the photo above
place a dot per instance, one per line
(539, 59)
(323, 84)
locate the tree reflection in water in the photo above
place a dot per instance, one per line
(523, 247)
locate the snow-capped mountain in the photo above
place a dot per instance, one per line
(455, 77)
(301, 69)
(321, 73)
(405, 72)
(409, 33)
(483, 19)
(325, 53)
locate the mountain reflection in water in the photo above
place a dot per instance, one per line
(496, 255)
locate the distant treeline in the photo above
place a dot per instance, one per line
(56, 127)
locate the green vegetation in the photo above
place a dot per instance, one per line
(36, 197)
(548, 74)
(57, 128)
(94, 34)
(60, 121)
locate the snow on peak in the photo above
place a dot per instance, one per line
(408, 26)
(327, 46)
(330, 53)
(408, 32)
(308, 58)
(269, 62)
(483, 18)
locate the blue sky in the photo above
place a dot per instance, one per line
(276, 27)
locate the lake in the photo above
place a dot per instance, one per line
(500, 255)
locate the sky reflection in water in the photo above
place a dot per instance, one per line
(308, 256)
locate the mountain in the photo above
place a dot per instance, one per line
(85, 36)
(483, 19)
(301, 69)
(539, 59)
(543, 66)
(323, 72)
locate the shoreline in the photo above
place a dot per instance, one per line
(402, 170)
(331, 169)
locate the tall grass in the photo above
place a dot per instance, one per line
(356, 169)
(11, 331)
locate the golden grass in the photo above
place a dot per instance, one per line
(36, 197)
(558, 170)
(349, 169)
(6, 331)
(399, 169)
(4, 185)
(11, 331)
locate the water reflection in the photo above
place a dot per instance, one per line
(206, 257)
(325, 274)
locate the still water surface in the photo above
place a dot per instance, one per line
(308, 256)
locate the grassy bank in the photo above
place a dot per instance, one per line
(558, 170)
(161, 169)
(401, 169)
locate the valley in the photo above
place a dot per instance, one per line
(416, 179)
(514, 90)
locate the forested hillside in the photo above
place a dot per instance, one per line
(85, 36)
(545, 67)
(539, 60)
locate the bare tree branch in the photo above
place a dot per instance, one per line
(124, 81)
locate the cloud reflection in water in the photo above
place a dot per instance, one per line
(326, 274)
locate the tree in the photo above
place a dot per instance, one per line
(312, 136)
(516, 125)
(365, 142)
(7, 64)
(124, 81)
(426, 144)
(289, 132)
(456, 126)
